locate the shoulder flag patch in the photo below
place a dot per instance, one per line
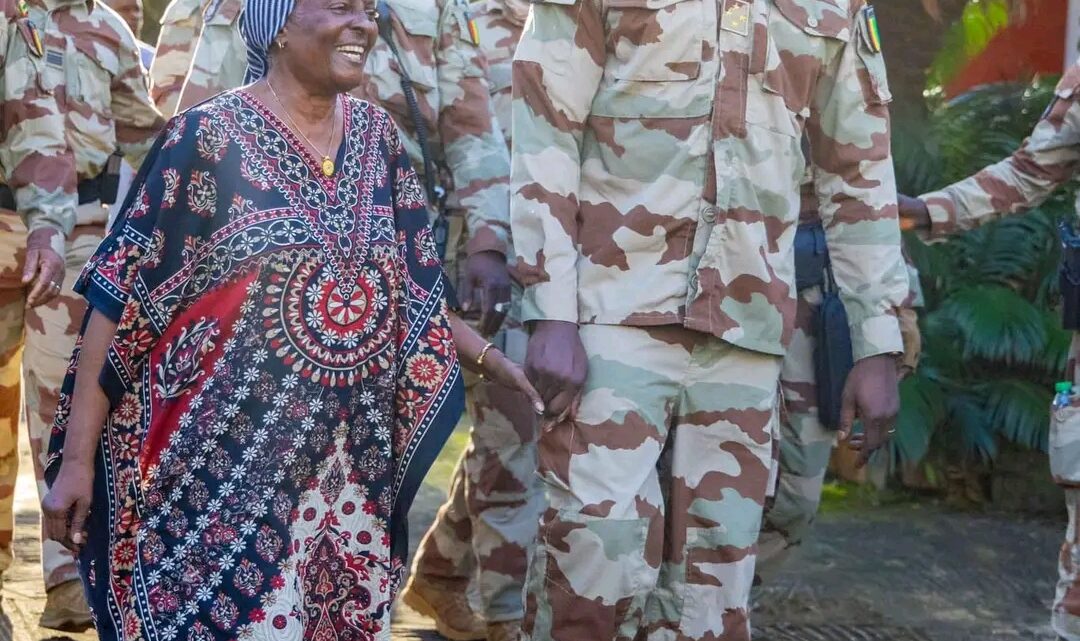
(871, 33)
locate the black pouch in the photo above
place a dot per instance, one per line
(1069, 277)
(110, 178)
(810, 256)
(833, 357)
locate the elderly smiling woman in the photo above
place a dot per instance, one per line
(268, 367)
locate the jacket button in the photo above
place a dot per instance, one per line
(708, 214)
(812, 22)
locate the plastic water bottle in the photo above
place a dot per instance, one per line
(1062, 394)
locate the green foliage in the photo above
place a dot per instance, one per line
(993, 344)
(967, 38)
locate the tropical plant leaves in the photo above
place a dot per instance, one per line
(992, 337)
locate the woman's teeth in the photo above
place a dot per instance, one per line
(355, 52)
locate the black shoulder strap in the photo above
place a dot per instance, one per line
(435, 193)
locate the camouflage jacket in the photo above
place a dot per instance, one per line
(1046, 160)
(108, 99)
(657, 160)
(809, 214)
(218, 41)
(449, 74)
(500, 23)
(180, 27)
(35, 159)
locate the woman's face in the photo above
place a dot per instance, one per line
(327, 43)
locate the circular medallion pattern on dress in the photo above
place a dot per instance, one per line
(331, 334)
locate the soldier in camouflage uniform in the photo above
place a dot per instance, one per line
(449, 73)
(37, 169)
(656, 166)
(488, 523)
(90, 56)
(181, 24)
(1047, 159)
(806, 444)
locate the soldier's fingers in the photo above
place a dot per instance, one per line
(42, 290)
(31, 265)
(848, 410)
(559, 405)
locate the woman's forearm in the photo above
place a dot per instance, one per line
(468, 341)
(89, 405)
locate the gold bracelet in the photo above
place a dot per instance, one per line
(483, 355)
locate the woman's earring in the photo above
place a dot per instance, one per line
(280, 44)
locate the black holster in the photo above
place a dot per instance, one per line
(811, 253)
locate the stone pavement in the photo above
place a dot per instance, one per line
(900, 573)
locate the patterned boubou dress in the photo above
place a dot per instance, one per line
(282, 376)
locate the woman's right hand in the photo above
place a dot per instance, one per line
(67, 505)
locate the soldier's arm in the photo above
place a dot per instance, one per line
(1047, 159)
(180, 27)
(849, 144)
(556, 73)
(137, 119)
(39, 163)
(220, 58)
(474, 146)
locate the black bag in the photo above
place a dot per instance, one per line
(833, 357)
(1069, 277)
(436, 194)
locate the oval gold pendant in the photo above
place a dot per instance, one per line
(327, 167)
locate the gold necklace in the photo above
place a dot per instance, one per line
(327, 163)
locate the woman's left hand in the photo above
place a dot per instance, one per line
(507, 373)
(67, 505)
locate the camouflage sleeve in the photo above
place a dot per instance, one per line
(849, 144)
(220, 59)
(38, 162)
(180, 27)
(474, 146)
(137, 119)
(555, 77)
(1023, 180)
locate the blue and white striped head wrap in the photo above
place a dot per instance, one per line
(259, 25)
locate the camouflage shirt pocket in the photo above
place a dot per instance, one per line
(416, 30)
(655, 40)
(89, 80)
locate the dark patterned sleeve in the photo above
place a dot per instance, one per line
(162, 219)
(430, 395)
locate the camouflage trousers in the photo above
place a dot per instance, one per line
(805, 446)
(656, 491)
(487, 526)
(1065, 618)
(35, 346)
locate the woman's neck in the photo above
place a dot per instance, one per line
(307, 107)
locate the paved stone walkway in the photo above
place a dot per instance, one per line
(905, 573)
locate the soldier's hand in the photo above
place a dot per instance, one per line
(913, 213)
(487, 289)
(66, 507)
(43, 270)
(871, 395)
(555, 363)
